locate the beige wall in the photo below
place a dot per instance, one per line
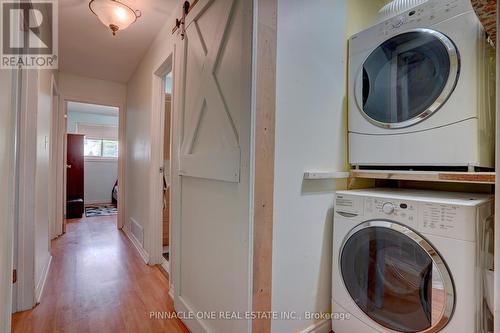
(362, 14)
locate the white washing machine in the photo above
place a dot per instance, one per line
(421, 88)
(408, 261)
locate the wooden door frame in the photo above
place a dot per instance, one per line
(264, 110)
(154, 239)
(121, 156)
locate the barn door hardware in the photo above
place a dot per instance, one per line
(181, 23)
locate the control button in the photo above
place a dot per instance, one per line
(397, 22)
(403, 206)
(388, 208)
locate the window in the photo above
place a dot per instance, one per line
(109, 148)
(100, 148)
(168, 83)
(92, 147)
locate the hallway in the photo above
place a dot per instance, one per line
(98, 283)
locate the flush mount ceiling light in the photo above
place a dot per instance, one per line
(114, 14)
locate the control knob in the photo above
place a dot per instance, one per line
(388, 208)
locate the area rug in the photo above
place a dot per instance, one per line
(100, 210)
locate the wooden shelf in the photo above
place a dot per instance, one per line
(427, 176)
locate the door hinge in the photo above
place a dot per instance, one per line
(14, 276)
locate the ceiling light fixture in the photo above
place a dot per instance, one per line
(114, 14)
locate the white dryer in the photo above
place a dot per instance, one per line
(421, 89)
(407, 261)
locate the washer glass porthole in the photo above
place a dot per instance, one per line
(397, 278)
(407, 78)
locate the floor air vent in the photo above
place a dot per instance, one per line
(137, 231)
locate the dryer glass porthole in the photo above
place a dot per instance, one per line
(396, 278)
(407, 78)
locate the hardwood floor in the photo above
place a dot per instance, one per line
(98, 283)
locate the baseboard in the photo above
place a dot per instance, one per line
(41, 283)
(142, 252)
(323, 326)
(165, 265)
(171, 291)
(96, 203)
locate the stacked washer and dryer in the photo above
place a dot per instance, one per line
(421, 83)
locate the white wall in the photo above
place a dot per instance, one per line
(89, 118)
(81, 89)
(311, 135)
(100, 177)
(139, 106)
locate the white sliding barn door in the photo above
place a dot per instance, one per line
(211, 162)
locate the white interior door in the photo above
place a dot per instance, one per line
(211, 162)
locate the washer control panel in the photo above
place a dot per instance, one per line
(440, 219)
(397, 210)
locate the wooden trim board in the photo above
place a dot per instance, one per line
(265, 103)
(431, 176)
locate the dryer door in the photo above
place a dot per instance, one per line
(407, 78)
(396, 278)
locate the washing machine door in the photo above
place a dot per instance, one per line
(397, 278)
(407, 78)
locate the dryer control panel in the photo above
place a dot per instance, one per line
(425, 15)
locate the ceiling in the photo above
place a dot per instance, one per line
(92, 108)
(87, 47)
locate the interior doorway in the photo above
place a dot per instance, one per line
(166, 172)
(92, 154)
(159, 243)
